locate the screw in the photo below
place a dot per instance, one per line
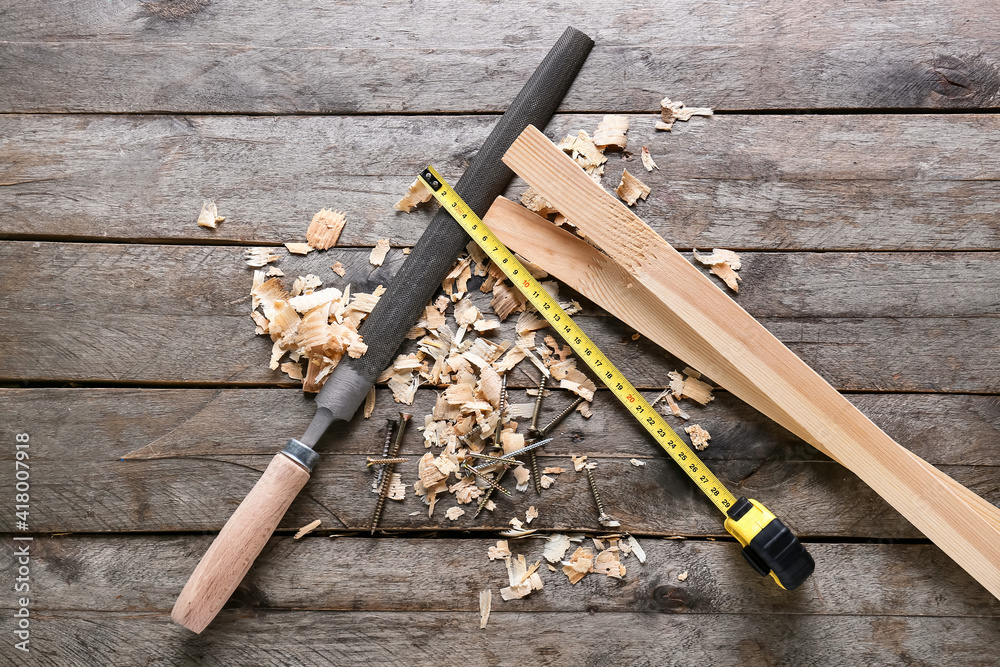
(502, 409)
(375, 462)
(604, 518)
(493, 459)
(489, 492)
(390, 425)
(533, 429)
(493, 485)
(561, 416)
(508, 458)
(383, 491)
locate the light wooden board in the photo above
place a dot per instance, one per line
(911, 182)
(149, 313)
(369, 57)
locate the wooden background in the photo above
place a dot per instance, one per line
(853, 162)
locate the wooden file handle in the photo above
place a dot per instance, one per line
(227, 561)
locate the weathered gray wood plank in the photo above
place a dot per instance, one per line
(186, 423)
(249, 637)
(372, 57)
(80, 485)
(143, 573)
(754, 182)
(149, 313)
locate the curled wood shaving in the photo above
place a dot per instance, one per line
(611, 132)
(723, 263)
(299, 248)
(485, 604)
(699, 436)
(580, 563)
(370, 402)
(306, 529)
(258, 257)
(379, 252)
(416, 195)
(338, 268)
(522, 582)
(506, 300)
(292, 369)
(647, 160)
(631, 189)
(325, 228)
(453, 513)
(209, 216)
(673, 111)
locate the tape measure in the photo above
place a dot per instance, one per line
(768, 545)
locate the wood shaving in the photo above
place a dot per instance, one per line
(506, 300)
(532, 200)
(292, 369)
(636, 462)
(682, 576)
(485, 601)
(299, 248)
(325, 228)
(673, 111)
(397, 490)
(699, 436)
(579, 565)
(647, 160)
(338, 268)
(416, 195)
(584, 410)
(531, 514)
(546, 481)
(556, 546)
(522, 581)
(453, 513)
(584, 151)
(501, 550)
(690, 387)
(579, 462)
(274, 271)
(306, 529)
(636, 549)
(611, 132)
(209, 216)
(258, 257)
(607, 562)
(723, 263)
(370, 402)
(379, 252)
(631, 189)
(554, 470)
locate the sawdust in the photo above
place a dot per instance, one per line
(699, 436)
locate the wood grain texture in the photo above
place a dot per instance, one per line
(156, 300)
(204, 469)
(242, 538)
(704, 327)
(925, 182)
(372, 57)
(393, 638)
(112, 574)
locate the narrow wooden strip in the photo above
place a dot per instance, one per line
(710, 331)
(246, 636)
(357, 574)
(181, 314)
(815, 182)
(262, 58)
